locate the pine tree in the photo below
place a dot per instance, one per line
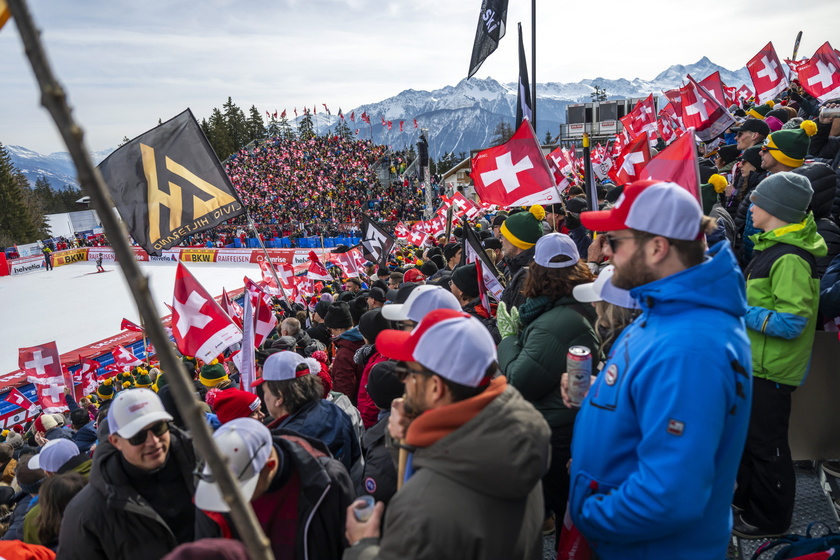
(548, 139)
(20, 219)
(284, 129)
(342, 130)
(256, 127)
(501, 133)
(306, 130)
(217, 134)
(237, 127)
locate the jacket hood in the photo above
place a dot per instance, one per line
(715, 283)
(803, 235)
(353, 335)
(503, 451)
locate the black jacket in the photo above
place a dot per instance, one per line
(378, 477)
(325, 493)
(109, 519)
(22, 501)
(824, 182)
(830, 232)
(515, 277)
(826, 147)
(488, 322)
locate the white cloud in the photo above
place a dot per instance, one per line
(127, 64)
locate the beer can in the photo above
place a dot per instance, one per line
(830, 112)
(579, 368)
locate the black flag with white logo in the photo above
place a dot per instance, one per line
(168, 184)
(523, 93)
(491, 29)
(376, 242)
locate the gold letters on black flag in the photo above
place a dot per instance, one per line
(168, 184)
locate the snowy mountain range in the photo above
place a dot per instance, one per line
(459, 118)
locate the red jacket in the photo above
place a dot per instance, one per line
(346, 373)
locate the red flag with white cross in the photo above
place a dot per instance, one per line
(124, 358)
(264, 318)
(515, 173)
(820, 76)
(17, 398)
(41, 363)
(767, 74)
(127, 325)
(715, 86)
(86, 375)
(317, 270)
(677, 163)
(200, 326)
(630, 162)
(703, 112)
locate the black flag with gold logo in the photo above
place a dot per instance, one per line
(168, 184)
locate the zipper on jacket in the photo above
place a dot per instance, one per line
(309, 520)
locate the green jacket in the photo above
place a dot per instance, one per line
(783, 293)
(534, 361)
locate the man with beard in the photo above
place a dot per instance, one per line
(477, 452)
(658, 439)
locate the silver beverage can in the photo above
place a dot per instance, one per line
(579, 368)
(830, 112)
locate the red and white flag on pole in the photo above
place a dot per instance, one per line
(264, 318)
(678, 164)
(515, 173)
(17, 398)
(347, 263)
(675, 103)
(630, 162)
(767, 74)
(317, 270)
(743, 93)
(401, 231)
(669, 128)
(233, 309)
(702, 111)
(127, 325)
(269, 284)
(86, 375)
(641, 119)
(200, 326)
(124, 358)
(820, 76)
(245, 358)
(40, 363)
(715, 86)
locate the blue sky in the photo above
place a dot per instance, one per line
(127, 64)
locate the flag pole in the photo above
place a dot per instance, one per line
(587, 174)
(54, 99)
(267, 258)
(534, 64)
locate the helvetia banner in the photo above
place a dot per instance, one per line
(168, 184)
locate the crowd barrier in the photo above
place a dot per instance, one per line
(298, 258)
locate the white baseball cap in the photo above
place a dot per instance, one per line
(450, 343)
(133, 410)
(655, 207)
(553, 245)
(602, 289)
(245, 444)
(420, 302)
(281, 366)
(54, 455)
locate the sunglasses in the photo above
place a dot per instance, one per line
(140, 437)
(614, 242)
(403, 371)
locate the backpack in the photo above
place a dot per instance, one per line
(798, 546)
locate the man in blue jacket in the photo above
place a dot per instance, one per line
(658, 439)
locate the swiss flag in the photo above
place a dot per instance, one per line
(200, 326)
(51, 396)
(515, 173)
(743, 93)
(641, 119)
(703, 112)
(678, 164)
(17, 398)
(127, 325)
(418, 238)
(820, 76)
(233, 309)
(675, 102)
(268, 282)
(560, 167)
(767, 74)
(264, 319)
(86, 375)
(347, 263)
(401, 231)
(630, 162)
(124, 358)
(317, 270)
(668, 127)
(41, 363)
(715, 86)
(465, 206)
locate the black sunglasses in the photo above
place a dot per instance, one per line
(403, 371)
(614, 241)
(140, 437)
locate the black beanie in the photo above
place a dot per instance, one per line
(338, 316)
(428, 268)
(321, 308)
(383, 385)
(372, 323)
(466, 278)
(450, 250)
(358, 307)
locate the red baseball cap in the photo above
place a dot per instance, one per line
(450, 343)
(656, 207)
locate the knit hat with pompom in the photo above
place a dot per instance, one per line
(524, 228)
(789, 147)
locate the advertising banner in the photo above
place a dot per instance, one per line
(69, 256)
(198, 255)
(27, 264)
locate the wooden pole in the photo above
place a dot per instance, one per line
(54, 99)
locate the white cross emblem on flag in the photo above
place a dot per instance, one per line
(506, 171)
(769, 70)
(698, 107)
(38, 362)
(189, 313)
(825, 76)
